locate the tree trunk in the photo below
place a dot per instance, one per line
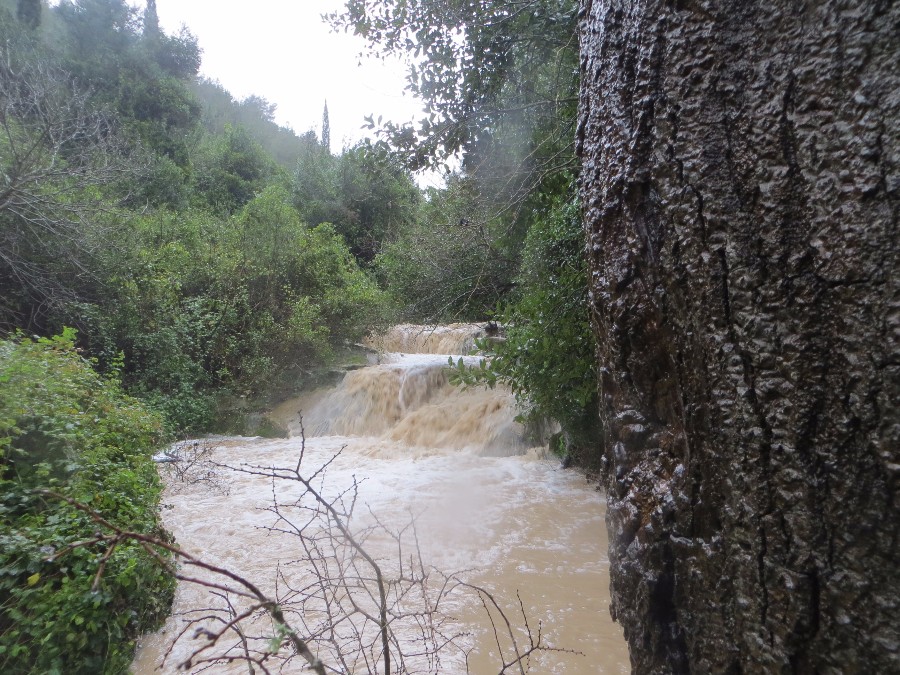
(741, 189)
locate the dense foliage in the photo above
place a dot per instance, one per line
(456, 261)
(220, 252)
(503, 239)
(212, 304)
(65, 428)
(365, 193)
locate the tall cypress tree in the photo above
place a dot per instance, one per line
(151, 20)
(326, 129)
(29, 12)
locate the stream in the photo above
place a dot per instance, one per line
(401, 445)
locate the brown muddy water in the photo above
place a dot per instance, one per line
(485, 504)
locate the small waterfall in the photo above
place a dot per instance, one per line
(415, 446)
(408, 398)
(371, 401)
(454, 338)
(413, 402)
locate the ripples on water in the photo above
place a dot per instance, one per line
(458, 462)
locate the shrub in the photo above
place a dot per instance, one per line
(547, 357)
(65, 428)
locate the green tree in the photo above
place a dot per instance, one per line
(326, 129)
(454, 262)
(256, 115)
(231, 169)
(97, 33)
(151, 20)
(208, 305)
(258, 108)
(365, 193)
(499, 81)
(484, 70)
(29, 12)
(143, 77)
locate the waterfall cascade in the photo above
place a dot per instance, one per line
(417, 447)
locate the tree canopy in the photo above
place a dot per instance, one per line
(169, 221)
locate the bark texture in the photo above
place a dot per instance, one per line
(741, 190)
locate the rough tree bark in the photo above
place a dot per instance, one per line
(741, 190)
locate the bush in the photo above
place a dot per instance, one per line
(547, 357)
(206, 307)
(456, 263)
(67, 429)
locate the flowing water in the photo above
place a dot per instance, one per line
(409, 445)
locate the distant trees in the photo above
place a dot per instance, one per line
(143, 78)
(230, 169)
(367, 195)
(453, 261)
(256, 115)
(145, 208)
(151, 20)
(257, 107)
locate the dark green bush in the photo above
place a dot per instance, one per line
(547, 357)
(65, 428)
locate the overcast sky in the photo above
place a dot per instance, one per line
(283, 51)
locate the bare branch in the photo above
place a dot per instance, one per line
(245, 587)
(360, 613)
(56, 150)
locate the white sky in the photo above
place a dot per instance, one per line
(283, 51)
